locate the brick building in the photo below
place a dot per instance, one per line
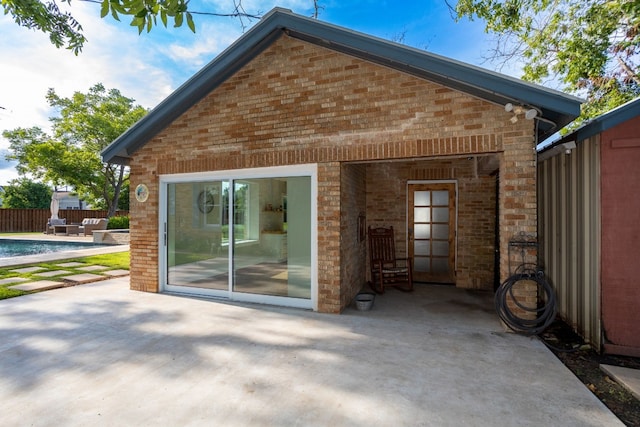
(255, 179)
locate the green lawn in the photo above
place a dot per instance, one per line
(114, 261)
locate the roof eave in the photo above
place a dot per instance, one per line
(595, 126)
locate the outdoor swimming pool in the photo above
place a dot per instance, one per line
(17, 248)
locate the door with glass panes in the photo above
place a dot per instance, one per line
(432, 230)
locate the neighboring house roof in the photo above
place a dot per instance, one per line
(593, 127)
(557, 109)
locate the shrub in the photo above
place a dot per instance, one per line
(118, 222)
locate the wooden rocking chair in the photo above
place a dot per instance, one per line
(386, 269)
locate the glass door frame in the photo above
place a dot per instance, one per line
(455, 218)
(309, 170)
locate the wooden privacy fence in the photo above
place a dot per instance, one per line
(33, 220)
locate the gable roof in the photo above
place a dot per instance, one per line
(556, 108)
(608, 120)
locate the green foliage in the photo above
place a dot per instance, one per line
(123, 202)
(26, 194)
(5, 292)
(592, 46)
(118, 222)
(85, 124)
(62, 28)
(145, 12)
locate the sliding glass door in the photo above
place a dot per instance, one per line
(197, 232)
(258, 228)
(272, 237)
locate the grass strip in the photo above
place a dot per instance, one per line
(115, 261)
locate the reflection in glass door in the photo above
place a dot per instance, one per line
(197, 234)
(272, 237)
(432, 231)
(247, 239)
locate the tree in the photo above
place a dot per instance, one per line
(592, 46)
(123, 202)
(64, 30)
(26, 194)
(86, 124)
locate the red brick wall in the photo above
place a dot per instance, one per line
(620, 154)
(300, 103)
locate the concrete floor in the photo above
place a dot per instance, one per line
(102, 355)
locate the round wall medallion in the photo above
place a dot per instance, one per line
(206, 202)
(142, 193)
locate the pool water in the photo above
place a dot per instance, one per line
(16, 248)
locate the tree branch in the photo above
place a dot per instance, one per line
(633, 76)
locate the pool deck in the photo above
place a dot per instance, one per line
(56, 256)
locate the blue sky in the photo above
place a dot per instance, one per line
(149, 67)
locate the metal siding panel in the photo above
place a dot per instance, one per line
(581, 238)
(563, 242)
(582, 263)
(554, 254)
(572, 219)
(594, 254)
(569, 234)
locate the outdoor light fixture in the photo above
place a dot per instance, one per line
(568, 146)
(531, 114)
(518, 110)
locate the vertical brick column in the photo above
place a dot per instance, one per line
(329, 237)
(144, 229)
(518, 210)
(353, 207)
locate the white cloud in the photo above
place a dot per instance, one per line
(145, 67)
(217, 33)
(7, 169)
(140, 66)
(212, 39)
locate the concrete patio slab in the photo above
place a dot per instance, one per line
(40, 285)
(115, 273)
(627, 377)
(70, 264)
(82, 278)
(13, 280)
(92, 268)
(27, 270)
(104, 355)
(52, 273)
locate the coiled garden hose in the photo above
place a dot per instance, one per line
(545, 314)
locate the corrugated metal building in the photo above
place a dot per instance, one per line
(589, 228)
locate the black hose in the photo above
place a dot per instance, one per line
(545, 314)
